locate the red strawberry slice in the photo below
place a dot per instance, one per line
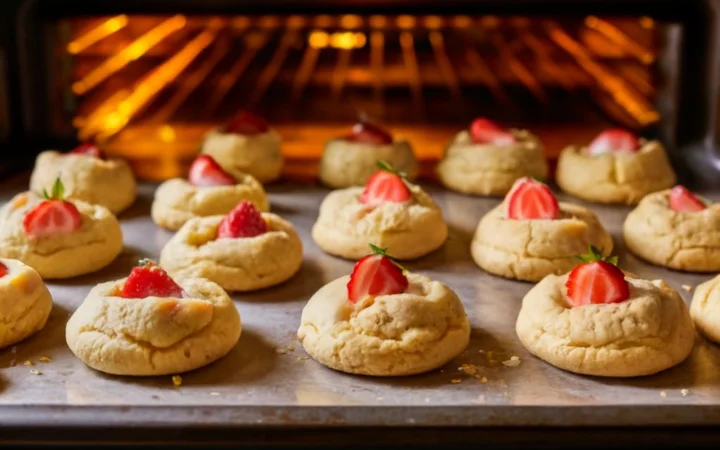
(370, 133)
(3, 270)
(242, 222)
(616, 140)
(205, 171)
(596, 282)
(375, 274)
(682, 200)
(149, 280)
(90, 149)
(484, 131)
(51, 217)
(245, 122)
(530, 199)
(385, 187)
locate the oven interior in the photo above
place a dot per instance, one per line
(149, 86)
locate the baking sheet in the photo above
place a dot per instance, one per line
(268, 380)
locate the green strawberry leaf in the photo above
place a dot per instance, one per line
(387, 167)
(57, 192)
(594, 254)
(383, 252)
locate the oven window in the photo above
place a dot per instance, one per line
(149, 87)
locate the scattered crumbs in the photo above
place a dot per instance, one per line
(215, 394)
(303, 358)
(512, 362)
(177, 380)
(291, 348)
(281, 351)
(456, 381)
(28, 363)
(483, 380)
(687, 287)
(481, 399)
(45, 359)
(469, 369)
(663, 394)
(35, 372)
(684, 392)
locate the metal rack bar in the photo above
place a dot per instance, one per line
(273, 67)
(443, 61)
(517, 67)
(619, 38)
(97, 34)
(407, 42)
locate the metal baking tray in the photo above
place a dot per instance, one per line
(267, 380)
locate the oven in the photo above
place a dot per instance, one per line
(147, 78)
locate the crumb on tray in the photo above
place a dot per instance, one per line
(514, 361)
(177, 380)
(684, 392)
(663, 394)
(687, 287)
(28, 363)
(45, 359)
(35, 372)
(456, 380)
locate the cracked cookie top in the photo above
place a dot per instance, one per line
(615, 177)
(399, 334)
(236, 264)
(649, 332)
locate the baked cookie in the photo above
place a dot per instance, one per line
(25, 302)
(350, 161)
(246, 144)
(389, 212)
(147, 324)
(56, 237)
(208, 191)
(616, 167)
(88, 176)
(486, 160)
(242, 251)
(531, 235)
(383, 321)
(596, 320)
(705, 309)
(675, 229)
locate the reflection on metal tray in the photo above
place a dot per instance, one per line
(268, 380)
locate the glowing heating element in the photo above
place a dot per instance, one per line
(97, 34)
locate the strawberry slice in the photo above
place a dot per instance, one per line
(242, 222)
(205, 171)
(598, 280)
(245, 122)
(3, 270)
(385, 185)
(682, 200)
(615, 140)
(530, 199)
(52, 216)
(484, 131)
(149, 280)
(90, 149)
(376, 274)
(369, 133)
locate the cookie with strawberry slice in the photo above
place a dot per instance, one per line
(25, 302)
(598, 320)
(530, 234)
(389, 211)
(244, 250)
(617, 166)
(382, 320)
(150, 323)
(59, 238)
(351, 160)
(246, 144)
(88, 175)
(675, 228)
(486, 159)
(209, 190)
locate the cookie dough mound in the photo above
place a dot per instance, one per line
(650, 332)
(25, 303)
(410, 230)
(258, 155)
(88, 249)
(153, 335)
(177, 201)
(242, 264)
(345, 163)
(615, 177)
(388, 335)
(531, 249)
(109, 183)
(679, 240)
(488, 169)
(705, 309)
